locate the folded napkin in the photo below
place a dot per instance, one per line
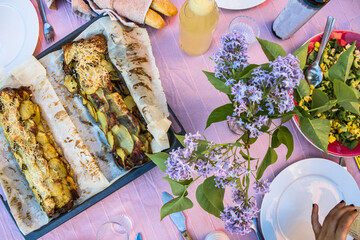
(123, 10)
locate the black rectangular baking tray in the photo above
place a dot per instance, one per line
(128, 177)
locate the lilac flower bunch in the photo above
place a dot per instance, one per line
(222, 162)
(258, 94)
(267, 93)
(231, 57)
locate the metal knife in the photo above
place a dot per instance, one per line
(342, 163)
(178, 218)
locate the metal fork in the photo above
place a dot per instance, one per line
(48, 29)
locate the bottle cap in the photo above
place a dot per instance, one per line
(201, 7)
(217, 235)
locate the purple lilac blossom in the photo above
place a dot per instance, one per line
(267, 91)
(238, 219)
(262, 186)
(231, 56)
(178, 165)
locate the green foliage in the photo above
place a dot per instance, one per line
(178, 188)
(282, 135)
(180, 138)
(320, 100)
(346, 97)
(272, 50)
(301, 53)
(246, 72)
(270, 158)
(217, 83)
(220, 114)
(341, 69)
(159, 159)
(175, 205)
(317, 130)
(303, 89)
(210, 198)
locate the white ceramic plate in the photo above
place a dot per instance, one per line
(19, 28)
(286, 209)
(238, 4)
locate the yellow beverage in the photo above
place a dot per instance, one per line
(198, 20)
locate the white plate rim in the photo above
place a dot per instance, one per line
(238, 4)
(316, 165)
(31, 21)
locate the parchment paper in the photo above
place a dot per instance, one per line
(24, 207)
(129, 49)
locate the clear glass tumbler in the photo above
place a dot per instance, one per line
(118, 228)
(247, 26)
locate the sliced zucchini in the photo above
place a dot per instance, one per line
(108, 65)
(123, 138)
(70, 83)
(99, 100)
(122, 154)
(27, 109)
(103, 121)
(129, 102)
(145, 142)
(110, 139)
(58, 166)
(84, 101)
(114, 76)
(92, 111)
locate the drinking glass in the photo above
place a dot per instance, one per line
(246, 26)
(118, 228)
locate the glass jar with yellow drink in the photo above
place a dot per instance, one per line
(198, 20)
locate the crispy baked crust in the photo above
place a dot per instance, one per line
(32, 145)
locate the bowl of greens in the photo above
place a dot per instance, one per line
(329, 115)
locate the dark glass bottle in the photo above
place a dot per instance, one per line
(295, 15)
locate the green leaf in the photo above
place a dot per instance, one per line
(347, 98)
(217, 83)
(270, 158)
(341, 69)
(205, 203)
(220, 114)
(286, 118)
(181, 139)
(275, 143)
(351, 145)
(159, 159)
(320, 99)
(178, 187)
(244, 138)
(317, 130)
(175, 205)
(246, 72)
(272, 50)
(214, 194)
(202, 146)
(303, 89)
(286, 138)
(245, 156)
(301, 53)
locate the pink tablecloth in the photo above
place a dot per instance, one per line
(192, 98)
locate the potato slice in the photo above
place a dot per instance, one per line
(49, 151)
(37, 116)
(27, 109)
(58, 166)
(71, 84)
(92, 111)
(42, 138)
(111, 140)
(123, 138)
(84, 101)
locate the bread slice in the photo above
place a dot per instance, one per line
(164, 6)
(153, 19)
